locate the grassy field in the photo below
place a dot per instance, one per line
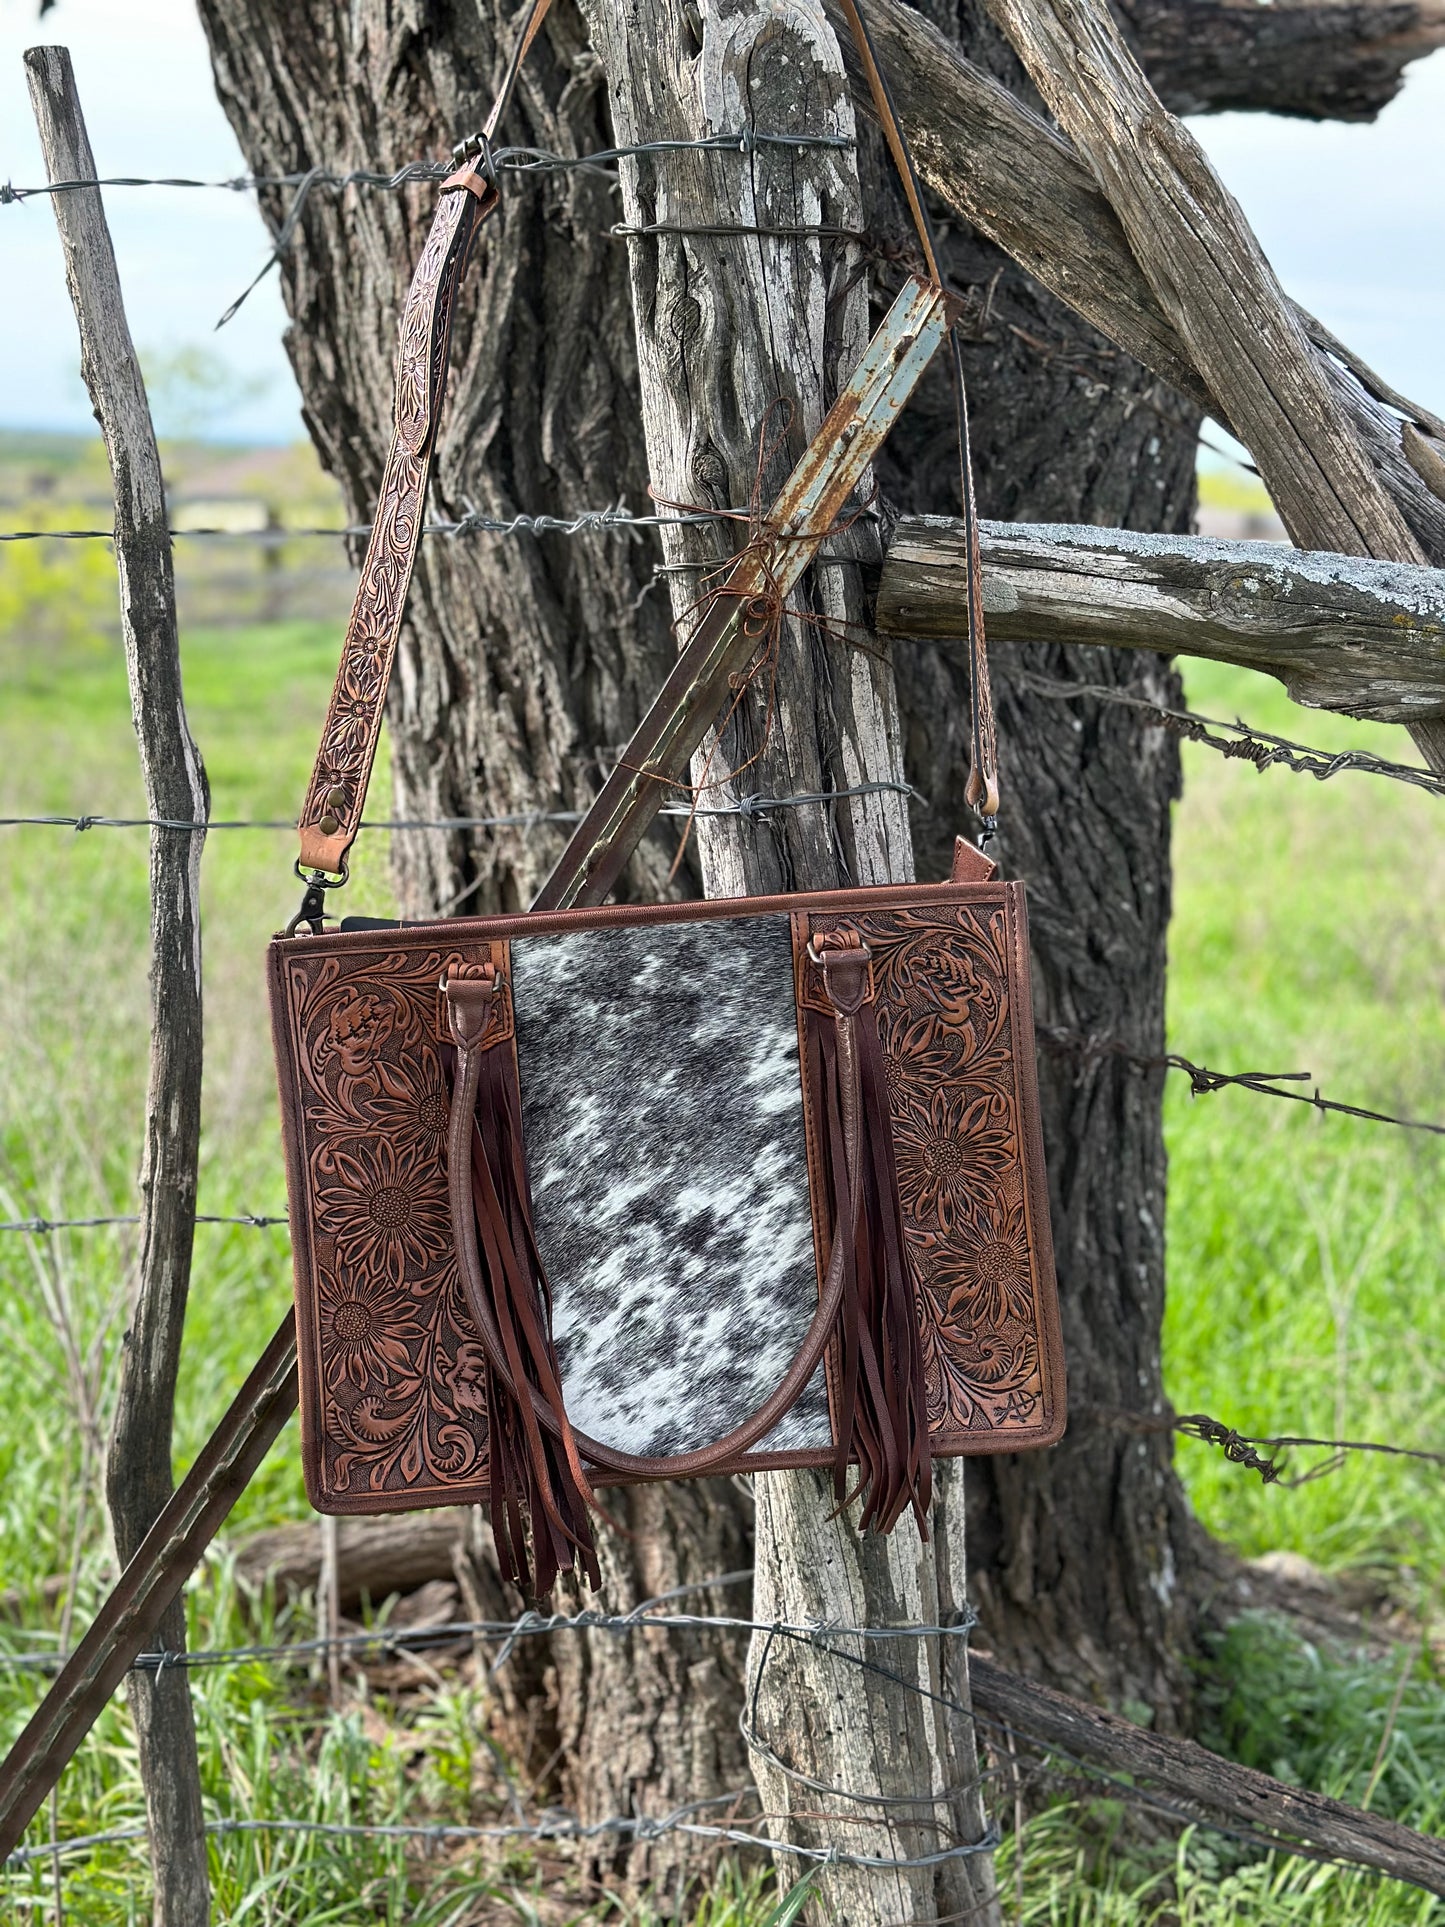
(1304, 1274)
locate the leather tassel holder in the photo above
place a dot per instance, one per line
(882, 1398)
(535, 1469)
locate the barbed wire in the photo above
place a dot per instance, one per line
(744, 806)
(1261, 747)
(561, 1825)
(473, 522)
(1238, 1447)
(400, 1642)
(42, 1227)
(1059, 1040)
(557, 1825)
(520, 160)
(1055, 1039)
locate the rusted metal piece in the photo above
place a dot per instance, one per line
(162, 1564)
(725, 641)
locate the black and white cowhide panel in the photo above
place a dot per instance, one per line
(664, 1124)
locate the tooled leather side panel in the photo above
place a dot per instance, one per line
(391, 1372)
(1041, 1237)
(952, 993)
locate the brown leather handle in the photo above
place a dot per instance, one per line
(469, 1008)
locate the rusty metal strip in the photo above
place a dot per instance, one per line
(163, 1562)
(852, 432)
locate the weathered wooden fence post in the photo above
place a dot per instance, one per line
(746, 287)
(138, 1476)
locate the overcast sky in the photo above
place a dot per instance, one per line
(1352, 217)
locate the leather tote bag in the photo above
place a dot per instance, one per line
(613, 1192)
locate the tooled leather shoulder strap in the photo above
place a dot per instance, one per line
(331, 815)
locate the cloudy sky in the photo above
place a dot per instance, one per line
(1353, 218)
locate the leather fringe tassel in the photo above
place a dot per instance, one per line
(882, 1399)
(536, 1473)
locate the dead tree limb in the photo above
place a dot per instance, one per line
(1212, 280)
(138, 1476)
(1020, 182)
(1320, 59)
(1209, 276)
(1341, 632)
(1006, 1704)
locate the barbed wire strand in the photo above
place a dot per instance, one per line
(399, 1642)
(1063, 1042)
(473, 522)
(520, 160)
(560, 1825)
(42, 1227)
(1052, 1038)
(1258, 746)
(745, 806)
(1238, 1447)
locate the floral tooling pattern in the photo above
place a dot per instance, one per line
(348, 741)
(394, 1363)
(393, 1370)
(941, 981)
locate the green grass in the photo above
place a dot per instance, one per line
(1304, 1275)
(1305, 1250)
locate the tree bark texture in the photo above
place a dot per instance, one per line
(138, 1471)
(726, 326)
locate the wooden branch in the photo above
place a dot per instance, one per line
(1211, 278)
(1185, 1771)
(138, 1478)
(1322, 59)
(1021, 183)
(1209, 275)
(397, 1552)
(1340, 632)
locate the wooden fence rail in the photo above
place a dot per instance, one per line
(1339, 631)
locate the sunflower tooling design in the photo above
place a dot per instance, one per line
(948, 1031)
